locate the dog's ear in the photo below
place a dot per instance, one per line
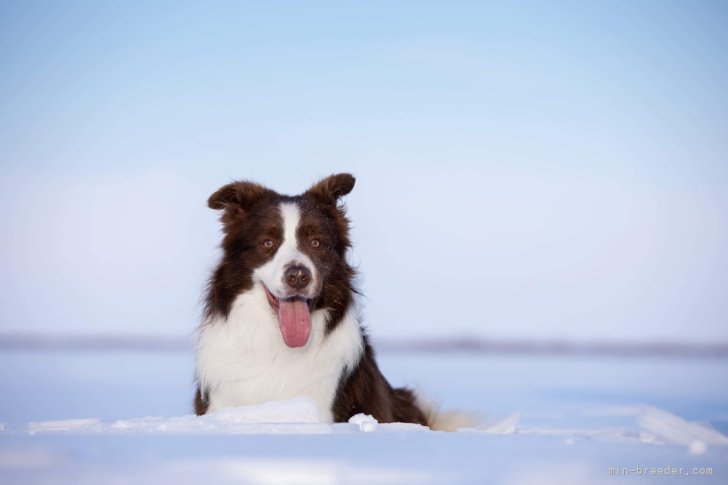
(238, 196)
(332, 188)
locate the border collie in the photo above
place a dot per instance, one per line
(280, 320)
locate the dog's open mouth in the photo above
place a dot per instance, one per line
(294, 318)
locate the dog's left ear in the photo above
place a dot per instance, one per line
(332, 188)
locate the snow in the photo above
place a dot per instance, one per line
(365, 422)
(64, 425)
(300, 413)
(545, 420)
(300, 416)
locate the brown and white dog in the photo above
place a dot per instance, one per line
(280, 320)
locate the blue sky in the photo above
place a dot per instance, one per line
(525, 169)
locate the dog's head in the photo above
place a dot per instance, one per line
(293, 246)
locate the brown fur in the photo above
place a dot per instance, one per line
(201, 403)
(365, 390)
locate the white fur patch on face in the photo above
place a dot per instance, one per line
(288, 254)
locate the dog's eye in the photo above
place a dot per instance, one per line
(268, 243)
(315, 243)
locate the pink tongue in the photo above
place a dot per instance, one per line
(295, 322)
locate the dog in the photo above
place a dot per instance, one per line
(280, 318)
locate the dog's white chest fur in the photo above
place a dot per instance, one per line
(243, 359)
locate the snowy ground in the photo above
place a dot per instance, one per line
(92, 417)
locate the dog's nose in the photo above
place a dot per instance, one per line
(298, 277)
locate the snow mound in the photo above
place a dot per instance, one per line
(65, 425)
(365, 422)
(668, 428)
(299, 415)
(652, 425)
(298, 410)
(649, 425)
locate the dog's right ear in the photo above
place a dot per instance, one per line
(237, 196)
